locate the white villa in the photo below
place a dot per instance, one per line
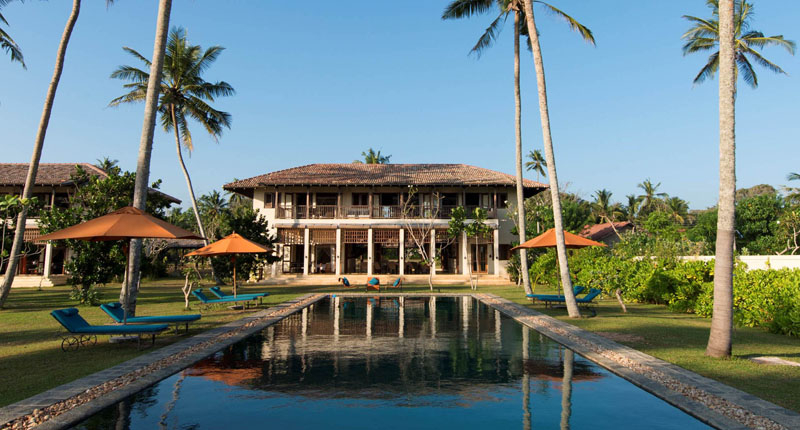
(353, 219)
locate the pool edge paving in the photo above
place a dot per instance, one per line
(633, 365)
(226, 334)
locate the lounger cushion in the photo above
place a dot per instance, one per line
(74, 323)
(217, 291)
(374, 281)
(346, 282)
(115, 311)
(396, 282)
(203, 298)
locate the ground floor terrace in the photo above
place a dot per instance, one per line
(41, 265)
(386, 251)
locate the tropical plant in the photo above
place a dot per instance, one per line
(27, 191)
(704, 36)
(373, 157)
(604, 210)
(7, 43)
(678, 209)
(184, 95)
(537, 163)
(631, 209)
(212, 208)
(533, 35)
(146, 148)
(719, 339)
(793, 193)
(651, 199)
(108, 165)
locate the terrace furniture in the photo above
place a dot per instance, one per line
(577, 289)
(586, 301)
(198, 293)
(373, 283)
(345, 283)
(82, 333)
(115, 311)
(398, 283)
(217, 291)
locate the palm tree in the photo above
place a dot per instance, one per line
(373, 157)
(604, 210)
(719, 339)
(704, 36)
(651, 197)
(793, 194)
(678, 209)
(33, 168)
(108, 165)
(212, 206)
(632, 208)
(7, 43)
(146, 148)
(537, 163)
(533, 36)
(183, 95)
(459, 9)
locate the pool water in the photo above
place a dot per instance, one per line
(394, 363)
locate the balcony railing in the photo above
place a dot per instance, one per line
(377, 212)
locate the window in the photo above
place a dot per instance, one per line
(327, 199)
(360, 199)
(472, 199)
(502, 200)
(389, 199)
(449, 199)
(269, 199)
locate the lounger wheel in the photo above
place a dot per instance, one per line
(88, 340)
(71, 343)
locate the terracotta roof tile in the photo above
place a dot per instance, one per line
(48, 173)
(599, 231)
(356, 174)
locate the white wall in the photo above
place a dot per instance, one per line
(758, 262)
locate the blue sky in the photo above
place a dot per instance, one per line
(321, 81)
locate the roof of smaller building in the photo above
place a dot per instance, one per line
(357, 174)
(56, 174)
(599, 231)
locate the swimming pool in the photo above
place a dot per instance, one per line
(394, 363)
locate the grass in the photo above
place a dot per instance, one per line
(31, 360)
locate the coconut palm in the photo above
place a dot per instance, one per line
(547, 137)
(704, 36)
(7, 43)
(604, 210)
(537, 163)
(212, 206)
(793, 194)
(184, 96)
(373, 157)
(651, 198)
(631, 210)
(146, 147)
(38, 145)
(678, 209)
(719, 339)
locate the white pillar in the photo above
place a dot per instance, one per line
(464, 254)
(306, 250)
(496, 251)
(338, 258)
(402, 252)
(370, 251)
(48, 259)
(433, 252)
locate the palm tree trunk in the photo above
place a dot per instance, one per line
(561, 250)
(719, 340)
(186, 174)
(146, 147)
(523, 254)
(33, 168)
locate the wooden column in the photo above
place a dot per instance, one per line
(308, 203)
(339, 204)
(369, 203)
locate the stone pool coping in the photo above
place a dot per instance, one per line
(710, 401)
(71, 403)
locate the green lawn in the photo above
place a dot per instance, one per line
(29, 349)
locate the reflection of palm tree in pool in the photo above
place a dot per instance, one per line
(566, 389)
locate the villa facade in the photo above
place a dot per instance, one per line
(341, 219)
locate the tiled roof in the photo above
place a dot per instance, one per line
(55, 174)
(48, 173)
(599, 231)
(357, 174)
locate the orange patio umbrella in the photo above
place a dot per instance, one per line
(548, 240)
(231, 244)
(122, 224)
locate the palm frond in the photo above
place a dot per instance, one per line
(130, 73)
(745, 70)
(763, 62)
(137, 55)
(466, 8)
(574, 25)
(756, 38)
(709, 69)
(490, 35)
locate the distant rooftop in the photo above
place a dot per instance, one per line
(55, 175)
(357, 174)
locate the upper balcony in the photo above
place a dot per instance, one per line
(376, 212)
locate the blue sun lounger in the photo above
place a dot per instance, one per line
(586, 300)
(82, 333)
(217, 291)
(198, 293)
(115, 311)
(577, 289)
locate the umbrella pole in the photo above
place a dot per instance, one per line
(233, 261)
